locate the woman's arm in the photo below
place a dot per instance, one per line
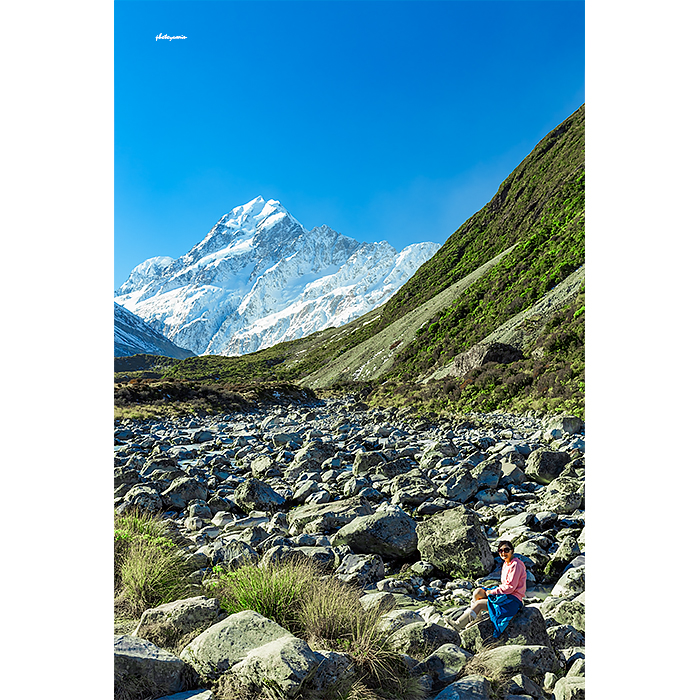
(507, 582)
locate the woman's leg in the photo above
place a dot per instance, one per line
(477, 605)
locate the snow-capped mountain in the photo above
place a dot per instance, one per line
(259, 278)
(132, 337)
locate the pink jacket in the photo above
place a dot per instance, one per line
(513, 580)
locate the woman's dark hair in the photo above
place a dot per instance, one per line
(507, 543)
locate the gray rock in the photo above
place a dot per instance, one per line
(570, 688)
(571, 612)
(572, 581)
(527, 628)
(460, 486)
(361, 569)
(454, 541)
(565, 637)
(228, 642)
(520, 685)
(396, 619)
(199, 694)
(183, 490)
(472, 687)
(543, 466)
(232, 554)
(530, 660)
(577, 668)
(388, 532)
(327, 518)
(565, 424)
(411, 489)
(481, 353)
(168, 623)
(563, 495)
(444, 664)
(284, 664)
(487, 474)
(142, 498)
(140, 664)
(381, 601)
(512, 474)
(567, 550)
(254, 494)
(364, 461)
(333, 667)
(421, 638)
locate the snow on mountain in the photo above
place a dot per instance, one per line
(259, 278)
(132, 337)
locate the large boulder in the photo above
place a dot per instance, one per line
(227, 643)
(327, 518)
(563, 495)
(284, 664)
(528, 627)
(570, 688)
(421, 638)
(444, 664)
(167, 624)
(454, 541)
(460, 486)
(411, 488)
(481, 353)
(139, 665)
(361, 569)
(229, 553)
(254, 494)
(571, 582)
(183, 490)
(565, 424)
(530, 660)
(143, 498)
(543, 466)
(334, 667)
(472, 687)
(388, 532)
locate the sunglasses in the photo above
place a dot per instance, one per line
(505, 550)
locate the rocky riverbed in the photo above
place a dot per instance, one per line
(409, 508)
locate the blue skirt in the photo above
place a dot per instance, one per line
(502, 609)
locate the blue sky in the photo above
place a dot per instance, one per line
(386, 120)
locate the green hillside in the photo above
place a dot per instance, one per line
(539, 212)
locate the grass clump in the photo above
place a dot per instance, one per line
(328, 615)
(149, 568)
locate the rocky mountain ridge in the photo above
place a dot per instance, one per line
(134, 337)
(260, 278)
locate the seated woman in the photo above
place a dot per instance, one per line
(502, 602)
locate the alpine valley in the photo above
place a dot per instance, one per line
(494, 319)
(259, 278)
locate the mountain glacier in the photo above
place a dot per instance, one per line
(259, 278)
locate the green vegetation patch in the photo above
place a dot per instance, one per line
(328, 615)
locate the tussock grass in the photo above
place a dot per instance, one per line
(328, 615)
(149, 569)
